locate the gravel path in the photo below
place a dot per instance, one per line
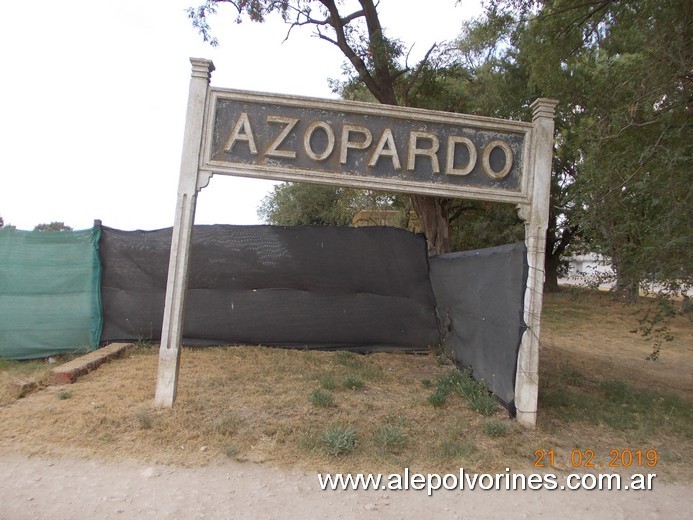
(65, 489)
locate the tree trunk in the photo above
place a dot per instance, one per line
(627, 289)
(627, 286)
(433, 218)
(551, 264)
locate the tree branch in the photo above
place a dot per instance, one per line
(377, 45)
(415, 76)
(337, 23)
(459, 211)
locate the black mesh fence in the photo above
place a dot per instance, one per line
(480, 305)
(316, 287)
(360, 289)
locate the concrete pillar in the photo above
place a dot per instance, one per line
(536, 217)
(188, 187)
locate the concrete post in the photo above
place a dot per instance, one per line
(188, 186)
(536, 217)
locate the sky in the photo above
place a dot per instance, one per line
(93, 96)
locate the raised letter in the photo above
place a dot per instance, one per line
(450, 169)
(390, 151)
(241, 132)
(346, 143)
(487, 160)
(330, 140)
(272, 150)
(414, 150)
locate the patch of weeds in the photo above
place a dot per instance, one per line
(451, 449)
(371, 372)
(226, 424)
(353, 382)
(63, 394)
(495, 429)
(640, 413)
(426, 383)
(322, 398)
(327, 381)
(310, 442)
(144, 419)
(439, 397)
(143, 343)
(339, 441)
(231, 450)
(442, 359)
(348, 359)
(571, 376)
(480, 399)
(464, 384)
(391, 438)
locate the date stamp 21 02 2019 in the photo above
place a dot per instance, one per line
(589, 459)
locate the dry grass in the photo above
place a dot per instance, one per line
(254, 404)
(15, 374)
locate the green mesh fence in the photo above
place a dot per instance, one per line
(49, 292)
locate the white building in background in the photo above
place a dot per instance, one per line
(589, 269)
(593, 269)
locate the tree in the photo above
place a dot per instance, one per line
(53, 226)
(622, 73)
(497, 84)
(299, 204)
(625, 68)
(376, 61)
(6, 226)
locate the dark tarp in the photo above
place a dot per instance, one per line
(318, 287)
(49, 292)
(480, 307)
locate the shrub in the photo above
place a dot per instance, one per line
(495, 429)
(339, 441)
(353, 382)
(391, 438)
(322, 398)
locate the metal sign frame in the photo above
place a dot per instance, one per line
(361, 145)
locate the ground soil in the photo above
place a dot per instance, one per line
(102, 452)
(70, 489)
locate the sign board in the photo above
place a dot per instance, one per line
(365, 145)
(361, 145)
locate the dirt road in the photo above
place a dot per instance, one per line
(64, 489)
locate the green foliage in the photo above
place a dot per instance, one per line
(495, 429)
(621, 71)
(391, 438)
(653, 325)
(620, 175)
(63, 394)
(640, 413)
(299, 204)
(339, 441)
(53, 226)
(353, 382)
(348, 359)
(633, 184)
(453, 449)
(321, 398)
(464, 384)
(439, 397)
(327, 381)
